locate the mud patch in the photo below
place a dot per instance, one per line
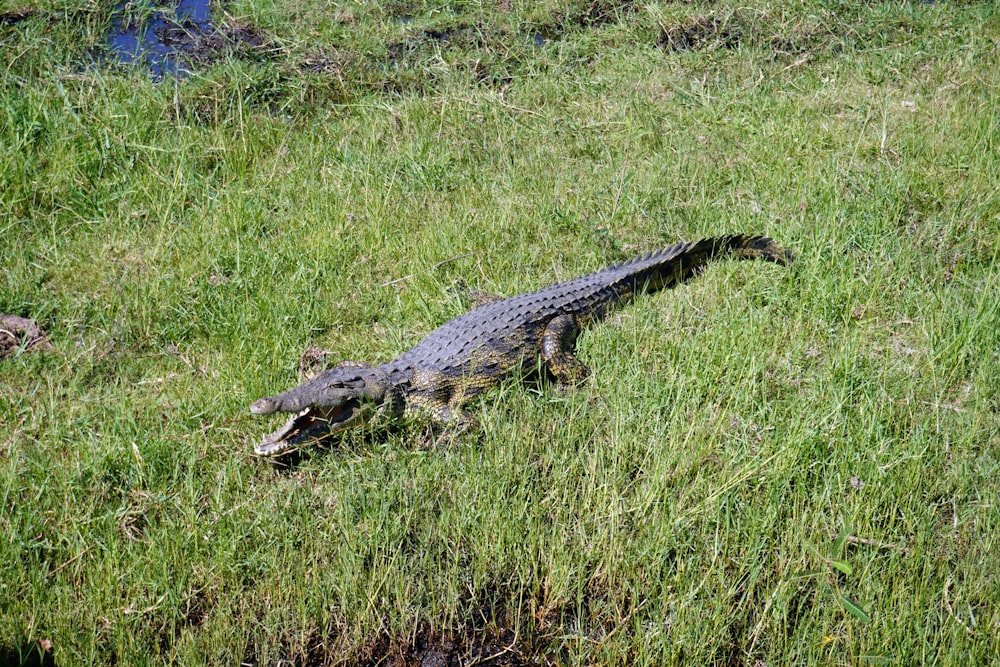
(806, 38)
(488, 54)
(172, 38)
(602, 12)
(703, 32)
(490, 635)
(330, 63)
(243, 41)
(20, 333)
(491, 53)
(487, 641)
(497, 648)
(16, 16)
(757, 29)
(462, 36)
(591, 15)
(425, 51)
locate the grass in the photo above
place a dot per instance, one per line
(768, 466)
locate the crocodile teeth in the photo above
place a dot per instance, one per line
(308, 425)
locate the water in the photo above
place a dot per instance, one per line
(159, 40)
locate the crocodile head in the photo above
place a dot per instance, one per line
(339, 398)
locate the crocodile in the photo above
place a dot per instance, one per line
(499, 338)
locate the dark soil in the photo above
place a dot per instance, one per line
(198, 45)
(746, 28)
(602, 12)
(491, 635)
(426, 648)
(703, 32)
(21, 333)
(590, 15)
(492, 53)
(16, 16)
(496, 648)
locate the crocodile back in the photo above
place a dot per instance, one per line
(495, 334)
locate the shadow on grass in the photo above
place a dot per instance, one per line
(422, 435)
(31, 655)
(490, 635)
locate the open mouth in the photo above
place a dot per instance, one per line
(307, 427)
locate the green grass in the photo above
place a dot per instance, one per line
(769, 466)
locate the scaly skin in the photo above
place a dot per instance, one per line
(475, 351)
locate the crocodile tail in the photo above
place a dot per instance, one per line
(740, 246)
(677, 263)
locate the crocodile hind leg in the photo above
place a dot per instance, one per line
(766, 249)
(558, 341)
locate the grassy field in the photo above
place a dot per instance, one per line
(769, 466)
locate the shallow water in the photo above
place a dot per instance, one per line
(162, 37)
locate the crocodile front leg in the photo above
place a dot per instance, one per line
(440, 397)
(436, 394)
(558, 341)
